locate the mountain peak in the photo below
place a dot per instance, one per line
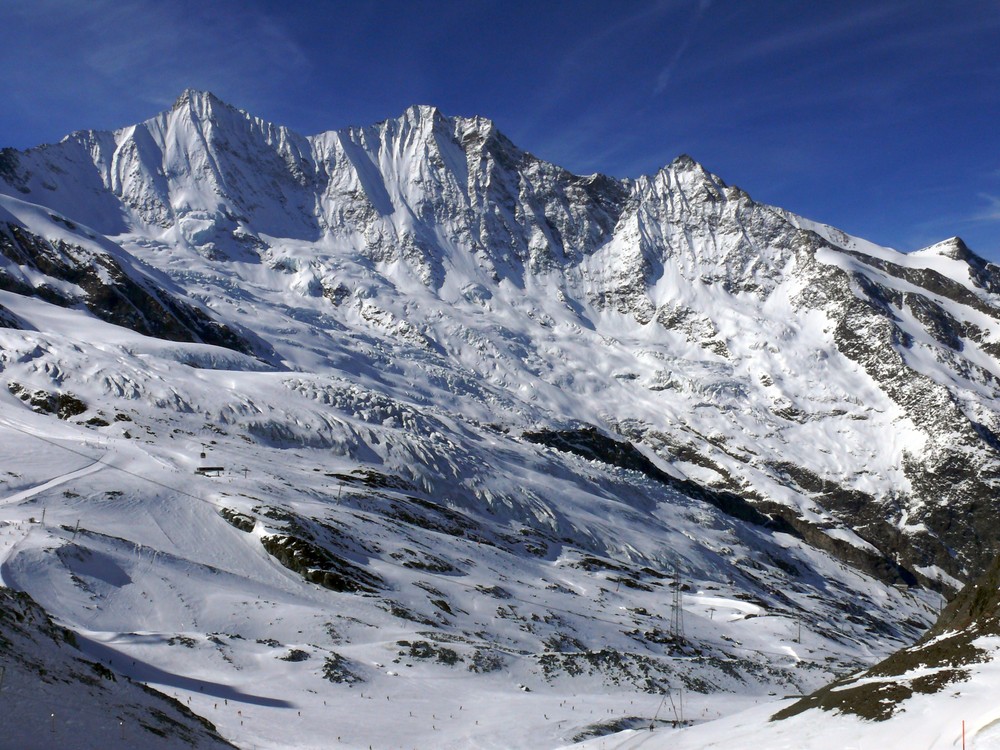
(687, 165)
(194, 97)
(684, 170)
(423, 113)
(685, 162)
(953, 248)
(204, 105)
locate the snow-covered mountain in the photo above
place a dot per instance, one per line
(405, 412)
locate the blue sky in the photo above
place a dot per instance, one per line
(879, 117)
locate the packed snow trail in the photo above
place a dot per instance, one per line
(984, 732)
(7, 549)
(56, 481)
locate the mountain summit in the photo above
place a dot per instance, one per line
(491, 414)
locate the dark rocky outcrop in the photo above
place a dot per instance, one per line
(320, 566)
(109, 291)
(44, 669)
(944, 655)
(591, 444)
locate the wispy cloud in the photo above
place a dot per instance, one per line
(806, 36)
(667, 72)
(125, 52)
(576, 63)
(168, 44)
(976, 226)
(991, 211)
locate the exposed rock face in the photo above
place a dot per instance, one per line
(9, 319)
(74, 275)
(946, 654)
(49, 683)
(843, 388)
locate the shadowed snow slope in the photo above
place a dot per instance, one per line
(53, 697)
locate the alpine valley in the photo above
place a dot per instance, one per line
(399, 436)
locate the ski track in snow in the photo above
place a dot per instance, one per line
(9, 549)
(17, 497)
